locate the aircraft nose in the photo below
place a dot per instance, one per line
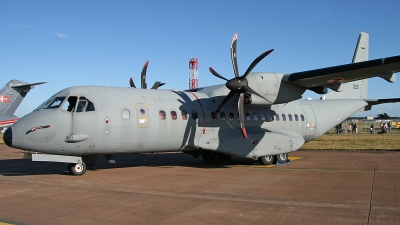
(7, 137)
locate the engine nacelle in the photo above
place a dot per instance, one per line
(270, 85)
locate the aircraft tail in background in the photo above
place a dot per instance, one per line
(12, 94)
(356, 89)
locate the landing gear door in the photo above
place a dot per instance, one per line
(84, 123)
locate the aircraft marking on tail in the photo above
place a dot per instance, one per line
(4, 98)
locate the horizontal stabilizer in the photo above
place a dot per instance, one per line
(26, 87)
(372, 102)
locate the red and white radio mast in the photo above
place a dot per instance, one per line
(193, 72)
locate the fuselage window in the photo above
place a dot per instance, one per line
(290, 117)
(296, 117)
(247, 116)
(194, 115)
(184, 115)
(126, 113)
(55, 103)
(223, 117)
(277, 117)
(162, 115)
(255, 116)
(283, 117)
(173, 115)
(270, 117)
(262, 116)
(302, 117)
(231, 116)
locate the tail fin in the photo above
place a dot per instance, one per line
(12, 95)
(356, 89)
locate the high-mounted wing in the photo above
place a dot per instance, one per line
(331, 76)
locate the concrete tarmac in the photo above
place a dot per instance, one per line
(321, 187)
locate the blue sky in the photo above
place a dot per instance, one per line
(72, 43)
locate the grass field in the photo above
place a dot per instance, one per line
(360, 141)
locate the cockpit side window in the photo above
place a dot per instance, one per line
(73, 105)
(69, 105)
(84, 105)
(54, 103)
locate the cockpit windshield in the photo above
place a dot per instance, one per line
(51, 103)
(72, 104)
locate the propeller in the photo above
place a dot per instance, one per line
(239, 84)
(143, 83)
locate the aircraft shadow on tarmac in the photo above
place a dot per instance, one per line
(23, 167)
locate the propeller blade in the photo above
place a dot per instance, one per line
(254, 92)
(131, 83)
(248, 88)
(241, 114)
(217, 75)
(157, 84)
(256, 61)
(233, 55)
(226, 99)
(143, 76)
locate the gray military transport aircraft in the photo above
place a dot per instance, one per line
(255, 115)
(11, 96)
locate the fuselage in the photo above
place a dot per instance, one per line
(107, 120)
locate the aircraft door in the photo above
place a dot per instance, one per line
(311, 123)
(84, 125)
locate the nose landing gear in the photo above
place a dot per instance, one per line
(77, 168)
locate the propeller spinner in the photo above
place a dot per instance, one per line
(238, 84)
(143, 83)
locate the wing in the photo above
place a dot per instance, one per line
(331, 76)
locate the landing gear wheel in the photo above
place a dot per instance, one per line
(209, 156)
(267, 159)
(282, 158)
(77, 168)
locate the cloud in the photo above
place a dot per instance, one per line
(62, 35)
(18, 25)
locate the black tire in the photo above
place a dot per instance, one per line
(282, 158)
(267, 159)
(209, 156)
(77, 169)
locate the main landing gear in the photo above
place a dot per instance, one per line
(273, 159)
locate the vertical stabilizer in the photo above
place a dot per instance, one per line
(12, 95)
(357, 89)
